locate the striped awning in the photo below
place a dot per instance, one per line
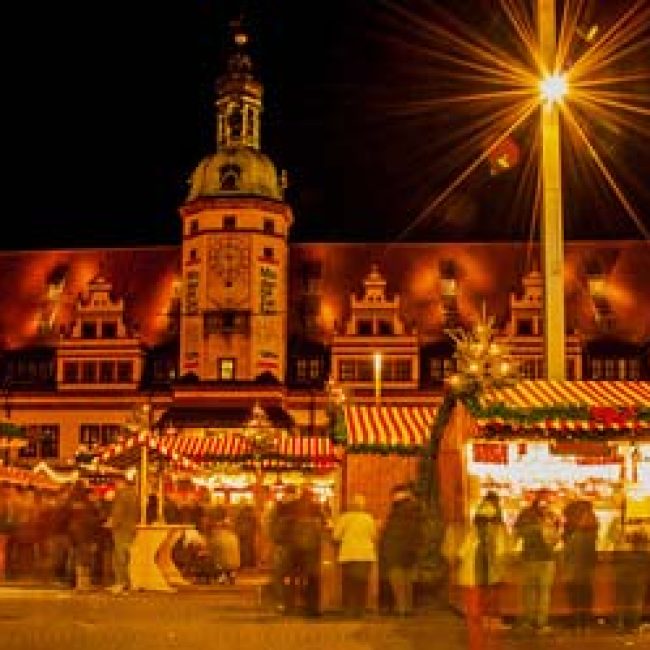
(539, 394)
(192, 451)
(26, 478)
(388, 426)
(567, 405)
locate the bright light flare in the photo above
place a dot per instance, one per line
(554, 87)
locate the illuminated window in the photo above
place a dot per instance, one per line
(346, 370)
(226, 369)
(43, 441)
(314, 368)
(633, 369)
(365, 370)
(610, 369)
(402, 370)
(301, 369)
(596, 368)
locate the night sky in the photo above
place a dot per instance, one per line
(111, 106)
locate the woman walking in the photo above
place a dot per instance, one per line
(356, 532)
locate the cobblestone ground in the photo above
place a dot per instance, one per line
(99, 621)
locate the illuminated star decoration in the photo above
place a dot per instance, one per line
(495, 85)
(481, 362)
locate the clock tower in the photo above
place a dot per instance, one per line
(235, 253)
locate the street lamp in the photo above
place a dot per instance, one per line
(554, 87)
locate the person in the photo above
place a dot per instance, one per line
(401, 544)
(279, 531)
(538, 530)
(224, 548)
(356, 533)
(83, 529)
(305, 536)
(247, 526)
(630, 545)
(579, 560)
(123, 519)
(479, 559)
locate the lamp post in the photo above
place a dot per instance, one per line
(377, 363)
(553, 87)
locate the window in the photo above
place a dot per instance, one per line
(227, 369)
(269, 226)
(194, 226)
(301, 369)
(436, 369)
(267, 253)
(314, 368)
(49, 441)
(193, 255)
(571, 369)
(524, 327)
(610, 369)
(88, 372)
(70, 372)
(385, 328)
(192, 292)
(402, 370)
(109, 330)
(633, 369)
(124, 372)
(528, 369)
(364, 328)
(365, 370)
(230, 222)
(43, 441)
(596, 368)
(88, 330)
(106, 372)
(346, 370)
(92, 435)
(228, 321)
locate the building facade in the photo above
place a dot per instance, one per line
(196, 334)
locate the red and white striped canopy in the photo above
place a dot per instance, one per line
(388, 426)
(540, 394)
(189, 451)
(612, 404)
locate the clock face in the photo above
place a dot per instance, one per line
(229, 264)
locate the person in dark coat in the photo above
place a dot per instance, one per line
(305, 536)
(83, 529)
(246, 526)
(580, 536)
(400, 547)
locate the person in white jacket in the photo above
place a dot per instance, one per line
(356, 531)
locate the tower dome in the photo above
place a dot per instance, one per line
(238, 168)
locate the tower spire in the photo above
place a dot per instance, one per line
(238, 96)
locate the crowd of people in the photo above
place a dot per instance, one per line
(79, 537)
(547, 546)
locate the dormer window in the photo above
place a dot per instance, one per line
(194, 226)
(89, 330)
(269, 226)
(385, 328)
(109, 330)
(193, 255)
(364, 328)
(524, 327)
(230, 222)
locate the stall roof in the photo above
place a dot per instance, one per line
(541, 393)
(591, 406)
(26, 478)
(386, 428)
(192, 451)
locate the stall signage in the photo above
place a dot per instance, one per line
(583, 449)
(610, 415)
(486, 452)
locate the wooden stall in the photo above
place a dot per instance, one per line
(573, 440)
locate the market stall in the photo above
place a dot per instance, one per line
(573, 440)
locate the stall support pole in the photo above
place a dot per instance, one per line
(161, 494)
(144, 471)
